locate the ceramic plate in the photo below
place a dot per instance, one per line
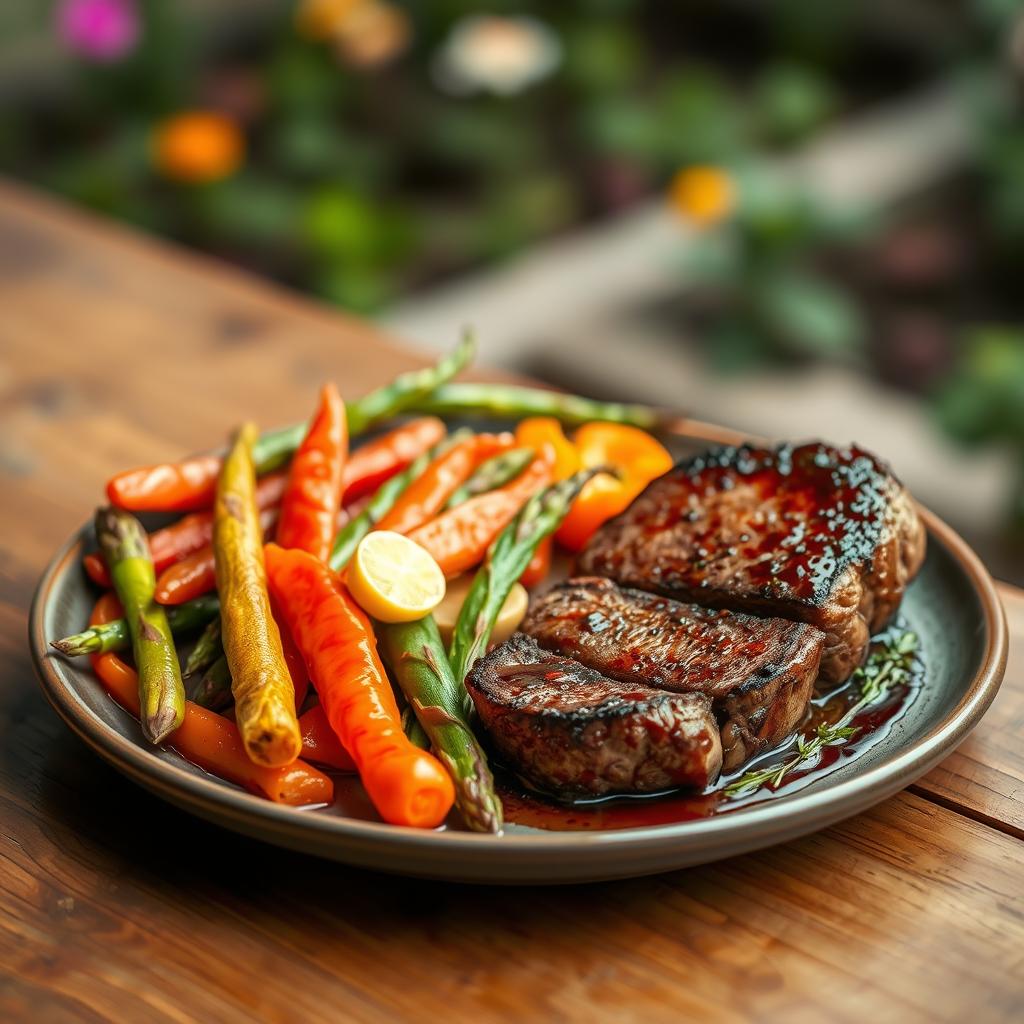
(952, 606)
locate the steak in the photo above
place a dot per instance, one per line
(813, 533)
(759, 673)
(569, 730)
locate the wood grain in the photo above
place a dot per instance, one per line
(114, 907)
(985, 776)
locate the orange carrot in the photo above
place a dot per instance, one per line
(207, 739)
(196, 574)
(459, 538)
(320, 743)
(407, 785)
(312, 498)
(427, 494)
(190, 533)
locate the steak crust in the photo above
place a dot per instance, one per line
(568, 730)
(812, 533)
(758, 672)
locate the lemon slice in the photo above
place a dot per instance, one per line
(394, 579)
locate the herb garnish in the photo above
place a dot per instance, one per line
(886, 667)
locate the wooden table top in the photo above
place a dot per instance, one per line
(115, 351)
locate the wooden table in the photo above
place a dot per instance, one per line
(115, 351)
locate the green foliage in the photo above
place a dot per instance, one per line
(345, 165)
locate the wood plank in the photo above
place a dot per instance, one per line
(114, 906)
(985, 776)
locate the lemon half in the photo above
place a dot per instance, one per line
(394, 579)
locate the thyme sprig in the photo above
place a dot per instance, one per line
(886, 667)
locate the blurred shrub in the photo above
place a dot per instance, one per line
(360, 148)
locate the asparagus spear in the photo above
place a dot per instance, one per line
(214, 689)
(508, 401)
(113, 636)
(415, 655)
(276, 447)
(349, 536)
(493, 473)
(126, 550)
(409, 388)
(507, 560)
(207, 650)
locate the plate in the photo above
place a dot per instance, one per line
(952, 606)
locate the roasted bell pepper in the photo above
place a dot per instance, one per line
(536, 431)
(459, 538)
(633, 455)
(312, 498)
(429, 492)
(407, 785)
(208, 740)
(260, 682)
(540, 565)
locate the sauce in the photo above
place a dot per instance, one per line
(874, 723)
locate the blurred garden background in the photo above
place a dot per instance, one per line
(795, 218)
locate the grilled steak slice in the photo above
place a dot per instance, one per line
(568, 730)
(813, 533)
(759, 673)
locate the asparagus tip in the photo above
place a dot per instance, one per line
(158, 727)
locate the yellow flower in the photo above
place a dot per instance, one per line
(198, 146)
(703, 195)
(320, 19)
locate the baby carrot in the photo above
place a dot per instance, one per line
(320, 743)
(207, 739)
(430, 491)
(459, 538)
(407, 785)
(195, 574)
(190, 533)
(312, 498)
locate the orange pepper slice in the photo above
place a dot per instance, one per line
(634, 454)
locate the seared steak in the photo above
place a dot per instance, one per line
(569, 730)
(813, 533)
(759, 673)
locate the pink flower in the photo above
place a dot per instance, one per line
(99, 30)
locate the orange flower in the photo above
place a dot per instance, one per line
(198, 146)
(320, 19)
(703, 195)
(372, 34)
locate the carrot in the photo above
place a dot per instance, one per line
(320, 742)
(190, 533)
(459, 538)
(312, 498)
(192, 483)
(292, 658)
(373, 463)
(208, 740)
(540, 565)
(407, 785)
(196, 573)
(429, 492)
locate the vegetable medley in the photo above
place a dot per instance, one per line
(313, 580)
